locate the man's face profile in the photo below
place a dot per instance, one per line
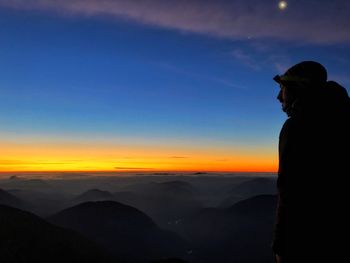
(283, 98)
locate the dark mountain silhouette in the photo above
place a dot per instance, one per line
(8, 199)
(40, 203)
(253, 187)
(166, 202)
(93, 195)
(26, 238)
(241, 233)
(122, 229)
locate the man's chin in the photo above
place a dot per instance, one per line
(287, 110)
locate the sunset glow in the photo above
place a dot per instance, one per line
(44, 157)
(130, 158)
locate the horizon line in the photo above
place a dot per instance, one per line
(143, 171)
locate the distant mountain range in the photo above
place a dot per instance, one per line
(128, 224)
(8, 199)
(38, 202)
(93, 195)
(250, 188)
(27, 184)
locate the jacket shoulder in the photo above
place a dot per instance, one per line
(290, 125)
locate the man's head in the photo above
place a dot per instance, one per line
(307, 72)
(299, 82)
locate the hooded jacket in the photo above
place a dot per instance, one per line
(314, 163)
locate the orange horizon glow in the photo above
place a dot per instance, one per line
(50, 157)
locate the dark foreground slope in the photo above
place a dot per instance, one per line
(26, 238)
(241, 233)
(125, 231)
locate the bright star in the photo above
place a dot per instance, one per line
(282, 5)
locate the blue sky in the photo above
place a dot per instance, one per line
(152, 72)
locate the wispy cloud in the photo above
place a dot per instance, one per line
(198, 76)
(178, 157)
(71, 175)
(316, 21)
(340, 78)
(132, 168)
(12, 162)
(259, 55)
(246, 58)
(19, 162)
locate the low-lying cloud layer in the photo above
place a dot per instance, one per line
(313, 21)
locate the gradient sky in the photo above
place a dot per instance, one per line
(177, 85)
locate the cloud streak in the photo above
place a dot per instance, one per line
(246, 59)
(258, 56)
(18, 162)
(314, 21)
(133, 168)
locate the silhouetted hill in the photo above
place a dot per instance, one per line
(166, 202)
(93, 195)
(26, 238)
(122, 229)
(253, 187)
(8, 199)
(241, 233)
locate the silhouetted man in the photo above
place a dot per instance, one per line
(313, 167)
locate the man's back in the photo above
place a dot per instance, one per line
(312, 178)
(313, 169)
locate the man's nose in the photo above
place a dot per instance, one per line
(279, 96)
